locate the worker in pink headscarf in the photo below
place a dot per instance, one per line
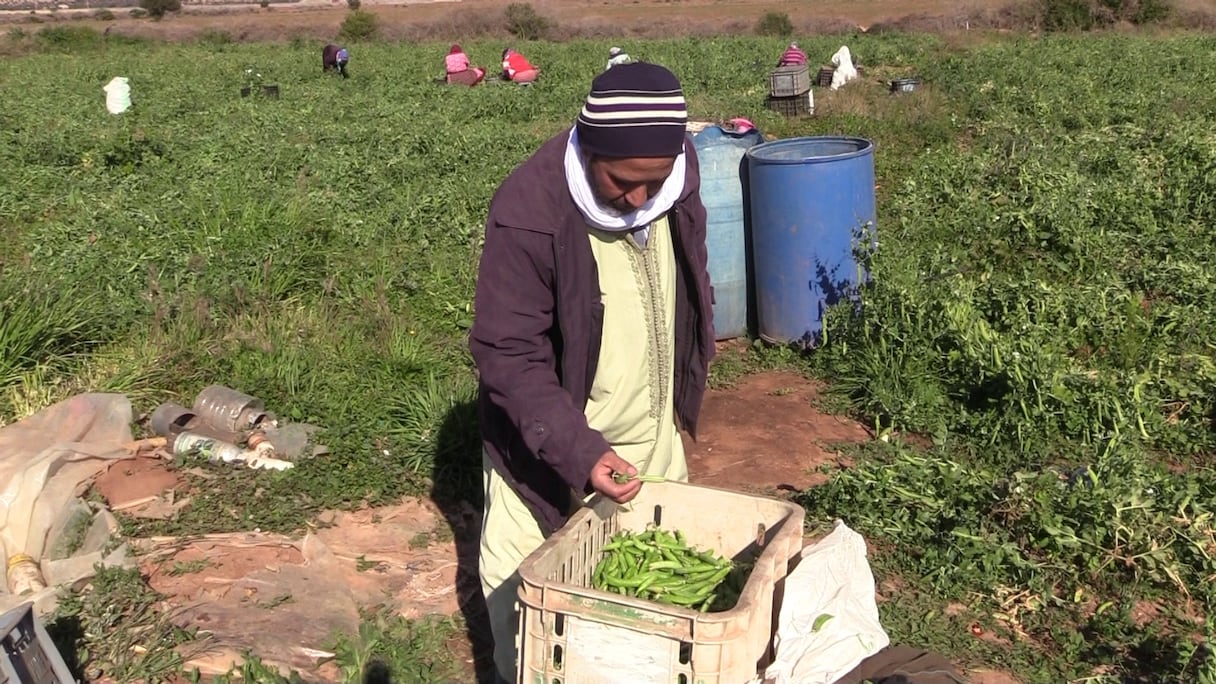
(459, 70)
(793, 56)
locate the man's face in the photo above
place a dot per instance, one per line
(626, 184)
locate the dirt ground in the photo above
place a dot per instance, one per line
(765, 436)
(454, 19)
(283, 597)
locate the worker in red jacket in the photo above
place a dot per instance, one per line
(516, 68)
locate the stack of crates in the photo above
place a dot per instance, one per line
(789, 89)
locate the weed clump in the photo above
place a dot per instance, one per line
(525, 23)
(774, 24)
(159, 8)
(359, 25)
(1085, 15)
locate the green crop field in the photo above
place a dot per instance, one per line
(1038, 347)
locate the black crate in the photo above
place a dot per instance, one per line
(795, 105)
(790, 80)
(824, 78)
(30, 657)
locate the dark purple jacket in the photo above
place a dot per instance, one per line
(329, 59)
(539, 319)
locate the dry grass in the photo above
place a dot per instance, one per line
(571, 18)
(643, 19)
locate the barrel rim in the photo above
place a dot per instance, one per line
(756, 152)
(703, 138)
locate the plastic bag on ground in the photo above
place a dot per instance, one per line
(829, 616)
(46, 461)
(118, 95)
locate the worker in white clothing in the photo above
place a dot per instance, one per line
(617, 57)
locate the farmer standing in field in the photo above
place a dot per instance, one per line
(593, 331)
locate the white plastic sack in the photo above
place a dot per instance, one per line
(46, 460)
(829, 617)
(118, 95)
(845, 71)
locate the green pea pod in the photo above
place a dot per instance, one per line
(650, 579)
(701, 568)
(720, 575)
(628, 582)
(681, 600)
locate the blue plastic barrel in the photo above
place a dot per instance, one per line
(721, 156)
(812, 204)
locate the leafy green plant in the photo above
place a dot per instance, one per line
(159, 8)
(118, 630)
(525, 23)
(774, 24)
(1083, 15)
(359, 25)
(389, 645)
(69, 37)
(38, 328)
(215, 37)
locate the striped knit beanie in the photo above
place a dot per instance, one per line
(634, 110)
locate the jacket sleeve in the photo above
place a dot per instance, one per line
(700, 230)
(510, 342)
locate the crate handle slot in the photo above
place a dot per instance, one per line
(658, 515)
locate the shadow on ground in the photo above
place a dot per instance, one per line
(457, 491)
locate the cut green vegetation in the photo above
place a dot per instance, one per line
(657, 565)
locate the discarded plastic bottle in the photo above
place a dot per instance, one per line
(24, 575)
(260, 454)
(193, 444)
(228, 409)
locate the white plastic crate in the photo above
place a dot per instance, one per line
(789, 80)
(571, 633)
(30, 657)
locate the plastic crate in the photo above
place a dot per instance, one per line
(798, 105)
(824, 78)
(789, 80)
(30, 657)
(571, 633)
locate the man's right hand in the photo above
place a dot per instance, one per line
(601, 479)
